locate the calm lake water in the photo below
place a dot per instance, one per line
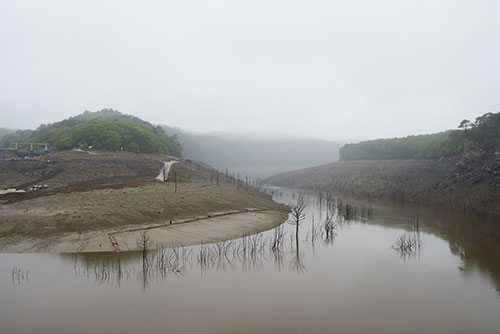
(357, 280)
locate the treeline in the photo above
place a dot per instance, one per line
(103, 130)
(483, 133)
(87, 116)
(9, 138)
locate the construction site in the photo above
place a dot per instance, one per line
(22, 150)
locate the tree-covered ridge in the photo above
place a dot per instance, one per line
(483, 133)
(88, 116)
(103, 130)
(112, 134)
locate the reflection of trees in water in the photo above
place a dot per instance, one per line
(473, 240)
(18, 276)
(104, 268)
(297, 264)
(477, 246)
(409, 245)
(249, 253)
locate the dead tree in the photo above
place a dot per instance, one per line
(175, 180)
(329, 225)
(297, 216)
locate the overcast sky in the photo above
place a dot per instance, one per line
(341, 70)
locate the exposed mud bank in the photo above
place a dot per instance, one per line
(178, 233)
(93, 196)
(82, 221)
(469, 183)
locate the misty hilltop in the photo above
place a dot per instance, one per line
(256, 157)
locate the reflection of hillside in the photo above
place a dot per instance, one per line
(475, 240)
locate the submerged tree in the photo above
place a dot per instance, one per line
(298, 215)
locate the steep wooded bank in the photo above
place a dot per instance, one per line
(482, 134)
(469, 182)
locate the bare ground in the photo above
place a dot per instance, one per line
(79, 215)
(469, 182)
(74, 168)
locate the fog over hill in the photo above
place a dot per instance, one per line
(5, 131)
(256, 157)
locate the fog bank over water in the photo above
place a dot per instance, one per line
(341, 70)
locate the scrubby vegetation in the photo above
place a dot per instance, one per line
(104, 130)
(483, 133)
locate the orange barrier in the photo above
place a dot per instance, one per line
(57, 153)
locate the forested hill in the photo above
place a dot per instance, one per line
(483, 133)
(103, 130)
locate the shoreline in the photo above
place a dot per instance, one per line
(468, 183)
(119, 198)
(189, 232)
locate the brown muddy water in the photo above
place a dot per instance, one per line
(358, 280)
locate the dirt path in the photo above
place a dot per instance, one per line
(164, 172)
